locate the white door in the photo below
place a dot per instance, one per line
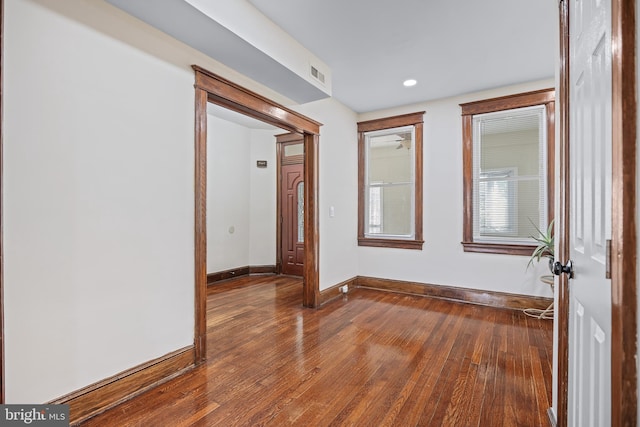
(589, 397)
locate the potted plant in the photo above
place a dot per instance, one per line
(544, 249)
(545, 246)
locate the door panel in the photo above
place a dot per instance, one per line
(292, 208)
(589, 388)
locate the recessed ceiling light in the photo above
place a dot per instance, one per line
(410, 82)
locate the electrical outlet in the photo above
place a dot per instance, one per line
(344, 289)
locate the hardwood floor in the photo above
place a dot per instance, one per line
(370, 358)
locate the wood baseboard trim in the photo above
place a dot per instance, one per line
(98, 397)
(262, 269)
(333, 292)
(472, 296)
(219, 276)
(552, 418)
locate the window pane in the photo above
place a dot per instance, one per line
(375, 210)
(293, 150)
(509, 175)
(497, 199)
(508, 142)
(529, 208)
(390, 210)
(390, 158)
(301, 212)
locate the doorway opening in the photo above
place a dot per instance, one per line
(211, 88)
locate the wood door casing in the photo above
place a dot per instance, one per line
(210, 87)
(291, 199)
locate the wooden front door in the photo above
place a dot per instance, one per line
(291, 204)
(292, 208)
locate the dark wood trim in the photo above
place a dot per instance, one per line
(452, 293)
(411, 119)
(278, 209)
(1, 205)
(528, 99)
(562, 219)
(262, 269)
(624, 279)
(391, 122)
(200, 252)
(361, 160)
(551, 159)
(311, 269)
(289, 137)
(334, 292)
(292, 160)
(98, 397)
(220, 276)
(232, 273)
(390, 243)
(498, 248)
(508, 102)
(467, 179)
(232, 96)
(419, 179)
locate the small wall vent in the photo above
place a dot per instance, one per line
(317, 74)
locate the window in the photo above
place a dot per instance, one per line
(300, 196)
(390, 182)
(497, 202)
(508, 171)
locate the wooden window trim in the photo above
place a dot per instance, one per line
(528, 99)
(412, 119)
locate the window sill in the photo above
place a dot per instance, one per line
(498, 248)
(391, 243)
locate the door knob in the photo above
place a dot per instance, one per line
(558, 268)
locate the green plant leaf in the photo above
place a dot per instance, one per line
(546, 243)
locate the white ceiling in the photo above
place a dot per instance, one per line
(451, 47)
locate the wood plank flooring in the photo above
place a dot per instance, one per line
(370, 358)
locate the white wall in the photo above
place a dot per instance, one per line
(338, 187)
(442, 260)
(98, 194)
(262, 215)
(228, 148)
(241, 198)
(98, 169)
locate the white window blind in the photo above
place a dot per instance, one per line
(509, 175)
